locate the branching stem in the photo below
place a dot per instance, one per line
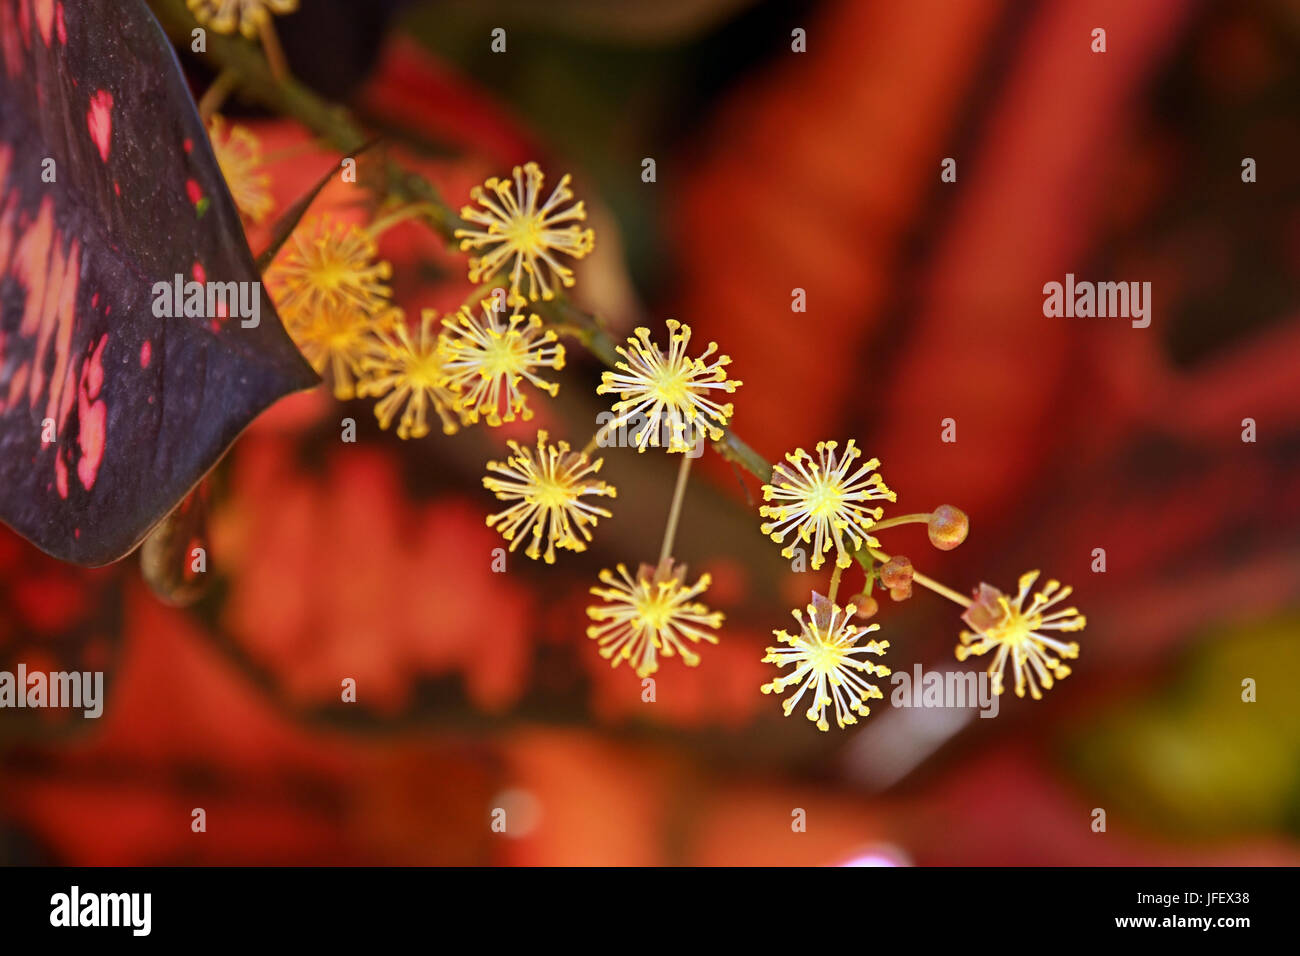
(259, 77)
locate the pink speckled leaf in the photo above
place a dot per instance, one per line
(110, 414)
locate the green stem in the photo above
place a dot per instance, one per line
(256, 81)
(275, 60)
(917, 518)
(401, 214)
(675, 510)
(835, 582)
(289, 97)
(216, 94)
(595, 439)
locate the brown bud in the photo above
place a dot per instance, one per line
(948, 527)
(896, 572)
(901, 593)
(866, 605)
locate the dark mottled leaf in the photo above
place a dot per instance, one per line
(109, 414)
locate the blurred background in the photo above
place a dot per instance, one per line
(776, 170)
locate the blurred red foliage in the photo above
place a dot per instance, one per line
(822, 174)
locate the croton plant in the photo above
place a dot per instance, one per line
(110, 413)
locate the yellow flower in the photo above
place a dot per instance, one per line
(329, 265)
(485, 362)
(339, 338)
(649, 615)
(407, 371)
(823, 655)
(668, 395)
(1004, 623)
(517, 227)
(246, 16)
(547, 489)
(822, 503)
(239, 155)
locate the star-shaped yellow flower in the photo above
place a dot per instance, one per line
(547, 489)
(1005, 624)
(667, 397)
(518, 231)
(822, 503)
(485, 361)
(336, 339)
(650, 615)
(328, 264)
(405, 372)
(239, 155)
(824, 655)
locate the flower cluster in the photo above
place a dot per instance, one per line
(482, 366)
(821, 502)
(333, 296)
(332, 292)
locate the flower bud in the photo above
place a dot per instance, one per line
(896, 572)
(948, 527)
(901, 593)
(867, 606)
